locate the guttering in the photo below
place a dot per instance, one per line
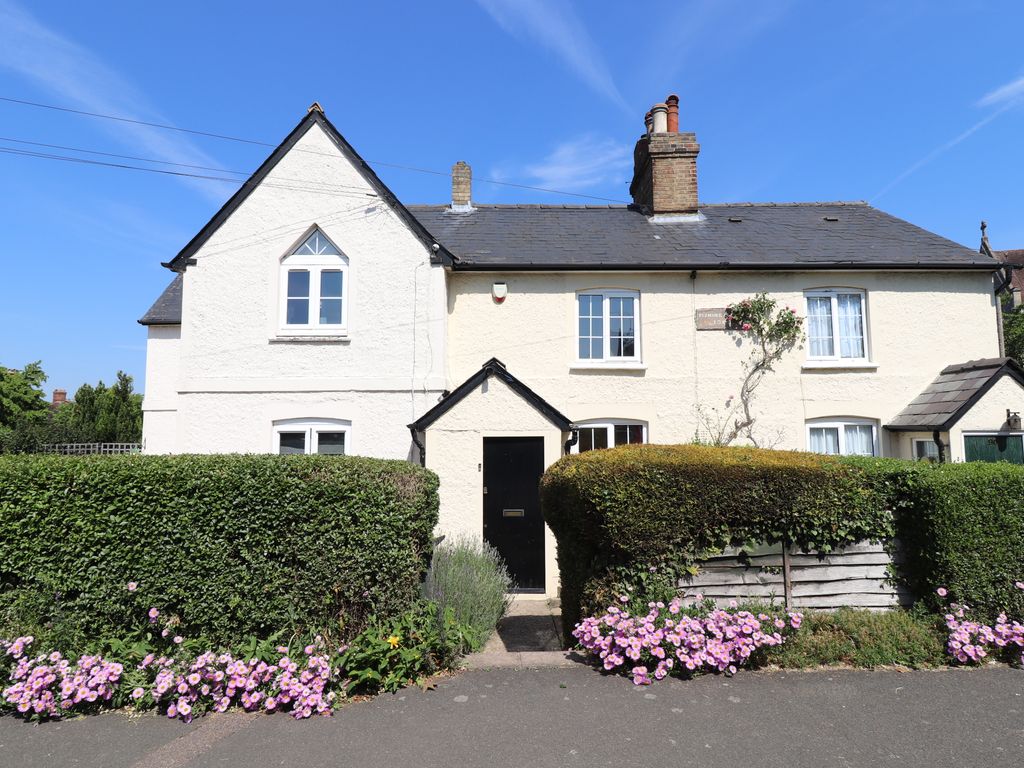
(726, 266)
(420, 446)
(573, 439)
(942, 448)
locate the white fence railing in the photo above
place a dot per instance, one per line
(83, 449)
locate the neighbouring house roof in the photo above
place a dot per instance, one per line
(493, 367)
(793, 236)
(166, 310)
(314, 116)
(953, 393)
(1015, 257)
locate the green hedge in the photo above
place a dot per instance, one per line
(233, 545)
(961, 527)
(618, 511)
(638, 505)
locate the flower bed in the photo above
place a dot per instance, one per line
(972, 642)
(669, 639)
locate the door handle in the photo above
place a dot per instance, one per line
(513, 513)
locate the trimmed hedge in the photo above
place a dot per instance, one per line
(618, 511)
(233, 545)
(638, 505)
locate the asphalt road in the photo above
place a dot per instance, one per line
(575, 716)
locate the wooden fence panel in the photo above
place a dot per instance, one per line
(856, 576)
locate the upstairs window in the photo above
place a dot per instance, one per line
(608, 326)
(836, 328)
(854, 437)
(322, 436)
(314, 285)
(593, 436)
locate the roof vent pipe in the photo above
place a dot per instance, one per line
(659, 115)
(673, 113)
(648, 122)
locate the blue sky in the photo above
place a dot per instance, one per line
(917, 107)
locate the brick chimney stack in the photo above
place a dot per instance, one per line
(665, 165)
(60, 396)
(462, 183)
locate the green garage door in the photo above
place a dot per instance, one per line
(994, 448)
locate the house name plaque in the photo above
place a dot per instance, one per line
(711, 319)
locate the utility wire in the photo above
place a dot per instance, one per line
(225, 137)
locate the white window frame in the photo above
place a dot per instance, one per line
(913, 448)
(312, 428)
(316, 265)
(841, 424)
(833, 295)
(610, 425)
(607, 361)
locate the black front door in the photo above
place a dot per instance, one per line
(512, 521)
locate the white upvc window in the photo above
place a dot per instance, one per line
(837, 325)
(314, 288)
(926, 450)
(323, 436)
(594, 435)
(843, 437)
(608, 327)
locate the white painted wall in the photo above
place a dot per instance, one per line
(160, 403)
(454, 445)
(238, 370)
(988, 415)
(918, 323)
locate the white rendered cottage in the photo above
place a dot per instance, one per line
(315, 313)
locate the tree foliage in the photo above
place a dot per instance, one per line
(98, 414)
(1013, 333)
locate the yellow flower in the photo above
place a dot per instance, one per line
(393, 640)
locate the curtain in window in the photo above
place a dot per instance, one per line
(860, 440)
(851, 325)
(825, 440)
(819, 326)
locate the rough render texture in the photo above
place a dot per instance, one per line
(534, 333)
(454, 446)
(232, 354)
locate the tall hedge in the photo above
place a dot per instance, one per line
(637, 505)
(960, 526)
(233, 545)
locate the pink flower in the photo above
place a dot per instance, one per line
(1019, 584)
(138, 693)
(178, 639)
(153, 613)
(132, 586)
(941, 591)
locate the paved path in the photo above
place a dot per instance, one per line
(529, 636)
(575, 716)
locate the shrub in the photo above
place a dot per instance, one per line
(468, 578)
(971, 642)
(232, 546)
(863, 638)
(621, 510)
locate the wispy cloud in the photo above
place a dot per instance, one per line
(581, 164)
(1006, 96)
(79, 78)
(1010, 92)
(555, 25)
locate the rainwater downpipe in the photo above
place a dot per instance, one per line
(419, 446)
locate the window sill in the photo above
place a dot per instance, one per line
(607, 367)
(320, 338)
(839, 365)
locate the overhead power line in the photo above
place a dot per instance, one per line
(257, 142)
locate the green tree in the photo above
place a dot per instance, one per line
(1013, 333)
(21, 392)
(109, 414)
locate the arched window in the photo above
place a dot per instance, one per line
(314, 287)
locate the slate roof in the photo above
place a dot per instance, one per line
(728, 236)
(953, 393)
(166, 310)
